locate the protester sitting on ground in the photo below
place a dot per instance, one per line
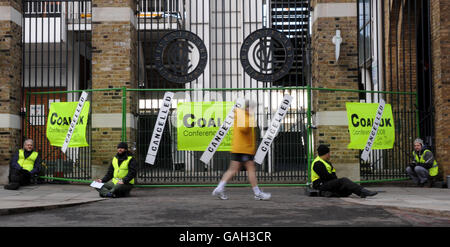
(324, 179)
(24, 165)
(424, 167)
(121, 172)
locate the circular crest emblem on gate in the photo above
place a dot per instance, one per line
(267, 55)
(180, 56)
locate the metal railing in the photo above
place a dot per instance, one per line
(73, 10)
(42, 8)
(79, 10)
(75, 163)
(288, 162)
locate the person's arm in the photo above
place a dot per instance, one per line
(37, 165)
(322, 171)
(429, 160)
(132, 168)
(109, 174)
(414, 162)
(14, 160)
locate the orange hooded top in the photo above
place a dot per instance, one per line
(243, 139)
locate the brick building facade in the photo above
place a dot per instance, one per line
(330, 117)
(114, 61)
(10, 82)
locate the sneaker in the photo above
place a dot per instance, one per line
(220, 194)
(262, 196)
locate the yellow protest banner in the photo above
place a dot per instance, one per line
(198, 123)
(58, 123)
(363, 120)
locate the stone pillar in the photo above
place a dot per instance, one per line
(440, 50)
(329, 107)
(114, 65)
(10, 82)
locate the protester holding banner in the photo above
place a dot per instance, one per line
(243, 148)
(324, 179)
(121, 172)
(25, 164)
(424, 166)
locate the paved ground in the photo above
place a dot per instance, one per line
(54, 205)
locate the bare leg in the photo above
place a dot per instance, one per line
(251, 172)
(234, 168)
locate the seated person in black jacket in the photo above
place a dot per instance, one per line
(25, 164)
(121, 172)
(324, 179)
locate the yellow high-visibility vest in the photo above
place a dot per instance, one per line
(433, 171)
(314, 175)
(28, 163)
(121, 171)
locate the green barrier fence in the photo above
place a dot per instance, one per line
(385, 175)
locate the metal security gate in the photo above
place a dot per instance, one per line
(56, 62)
(216, 51)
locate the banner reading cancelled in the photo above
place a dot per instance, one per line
(58, 123)
(361, 119)
(198, 123)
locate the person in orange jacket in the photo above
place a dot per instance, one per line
(243, 149)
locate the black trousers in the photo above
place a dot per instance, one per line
(119, 190)
(18, 178)
(341, 187)
(23, 177)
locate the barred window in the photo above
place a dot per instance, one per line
(364, 32)
(370, 48)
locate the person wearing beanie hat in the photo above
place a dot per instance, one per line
(119, 178)
(122, 145)
(322, 150)
(419, 141)
(424, 167)
(324, 179)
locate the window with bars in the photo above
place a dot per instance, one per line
(370, 51)
(364, 32)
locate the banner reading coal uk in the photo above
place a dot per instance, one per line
(59, 120)
(370, 123)
(198, 123)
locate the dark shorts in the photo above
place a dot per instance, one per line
(241, 157)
